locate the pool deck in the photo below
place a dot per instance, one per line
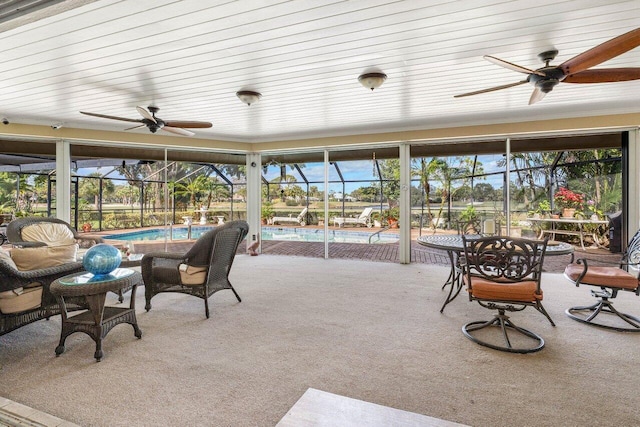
(383, 252)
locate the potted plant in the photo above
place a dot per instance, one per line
(469, 221)
(469, 214)
(593, 211)
(544, 208)
(392, 216)
(568, 201)
(267, 212)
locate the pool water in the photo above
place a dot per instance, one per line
(294, 234)
(316, 235)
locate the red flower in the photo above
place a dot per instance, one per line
(566, 198)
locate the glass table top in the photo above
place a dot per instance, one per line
(84, 278)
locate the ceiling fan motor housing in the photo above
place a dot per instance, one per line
(552, 76)
(153, 126)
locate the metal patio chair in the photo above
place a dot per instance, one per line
(611, 279)
(503, 274)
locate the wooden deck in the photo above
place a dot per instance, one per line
(386, 252)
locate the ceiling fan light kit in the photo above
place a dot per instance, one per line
(372, 80)
(575, 70)
(248, 96)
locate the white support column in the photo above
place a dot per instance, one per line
(507, 192)
(633, 220)
(405, 204)
(254, 197)
(63, 180)
(326, 204)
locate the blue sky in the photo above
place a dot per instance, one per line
(356, 170)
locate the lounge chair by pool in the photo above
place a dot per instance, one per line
(300, 219)
(363, 219)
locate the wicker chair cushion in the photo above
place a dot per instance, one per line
(20, 299)
(519, 291)
(43, 256)
(6, 257)
(50, 233)
(602, 276)
(190, 275)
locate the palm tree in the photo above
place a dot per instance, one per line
(193, 188)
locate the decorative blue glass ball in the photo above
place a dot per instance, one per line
(101, 259)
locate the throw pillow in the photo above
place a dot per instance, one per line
(43, 256)
(52, 234)
(5, 256)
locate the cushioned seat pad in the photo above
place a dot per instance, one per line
(602, 276)
(520, 291)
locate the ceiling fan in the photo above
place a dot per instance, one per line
(154, 123)
(575, 70)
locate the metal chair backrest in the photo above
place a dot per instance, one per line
(631, 257)
(504, 259)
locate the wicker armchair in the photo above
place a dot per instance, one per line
(15, 227)
(16, 278)
(211, 257)
(11, 278)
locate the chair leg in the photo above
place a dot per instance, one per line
(506, 326)
(206, 307)
(236, 294)
(541, 309)
(587, 314)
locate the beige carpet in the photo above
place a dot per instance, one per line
(366, 330)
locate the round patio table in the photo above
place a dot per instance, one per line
(452, 244)
(98, 320)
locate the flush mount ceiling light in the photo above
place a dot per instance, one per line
(372, 80)
(248, 96)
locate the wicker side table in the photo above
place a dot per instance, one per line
(98, 320)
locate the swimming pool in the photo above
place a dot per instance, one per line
(294, 234)
(298, 234)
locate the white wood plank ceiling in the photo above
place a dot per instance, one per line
(190, 57)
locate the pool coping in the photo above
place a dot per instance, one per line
(16, 414)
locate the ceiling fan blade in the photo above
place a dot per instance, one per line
(490, 89)
(536, 96)
(187, 124)
(511, 66)
(135, 127)
(104, 116)
(602, 52)
(146, 114)
(604, 75)
(177, 131)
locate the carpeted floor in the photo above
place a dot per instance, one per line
(366, 330)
